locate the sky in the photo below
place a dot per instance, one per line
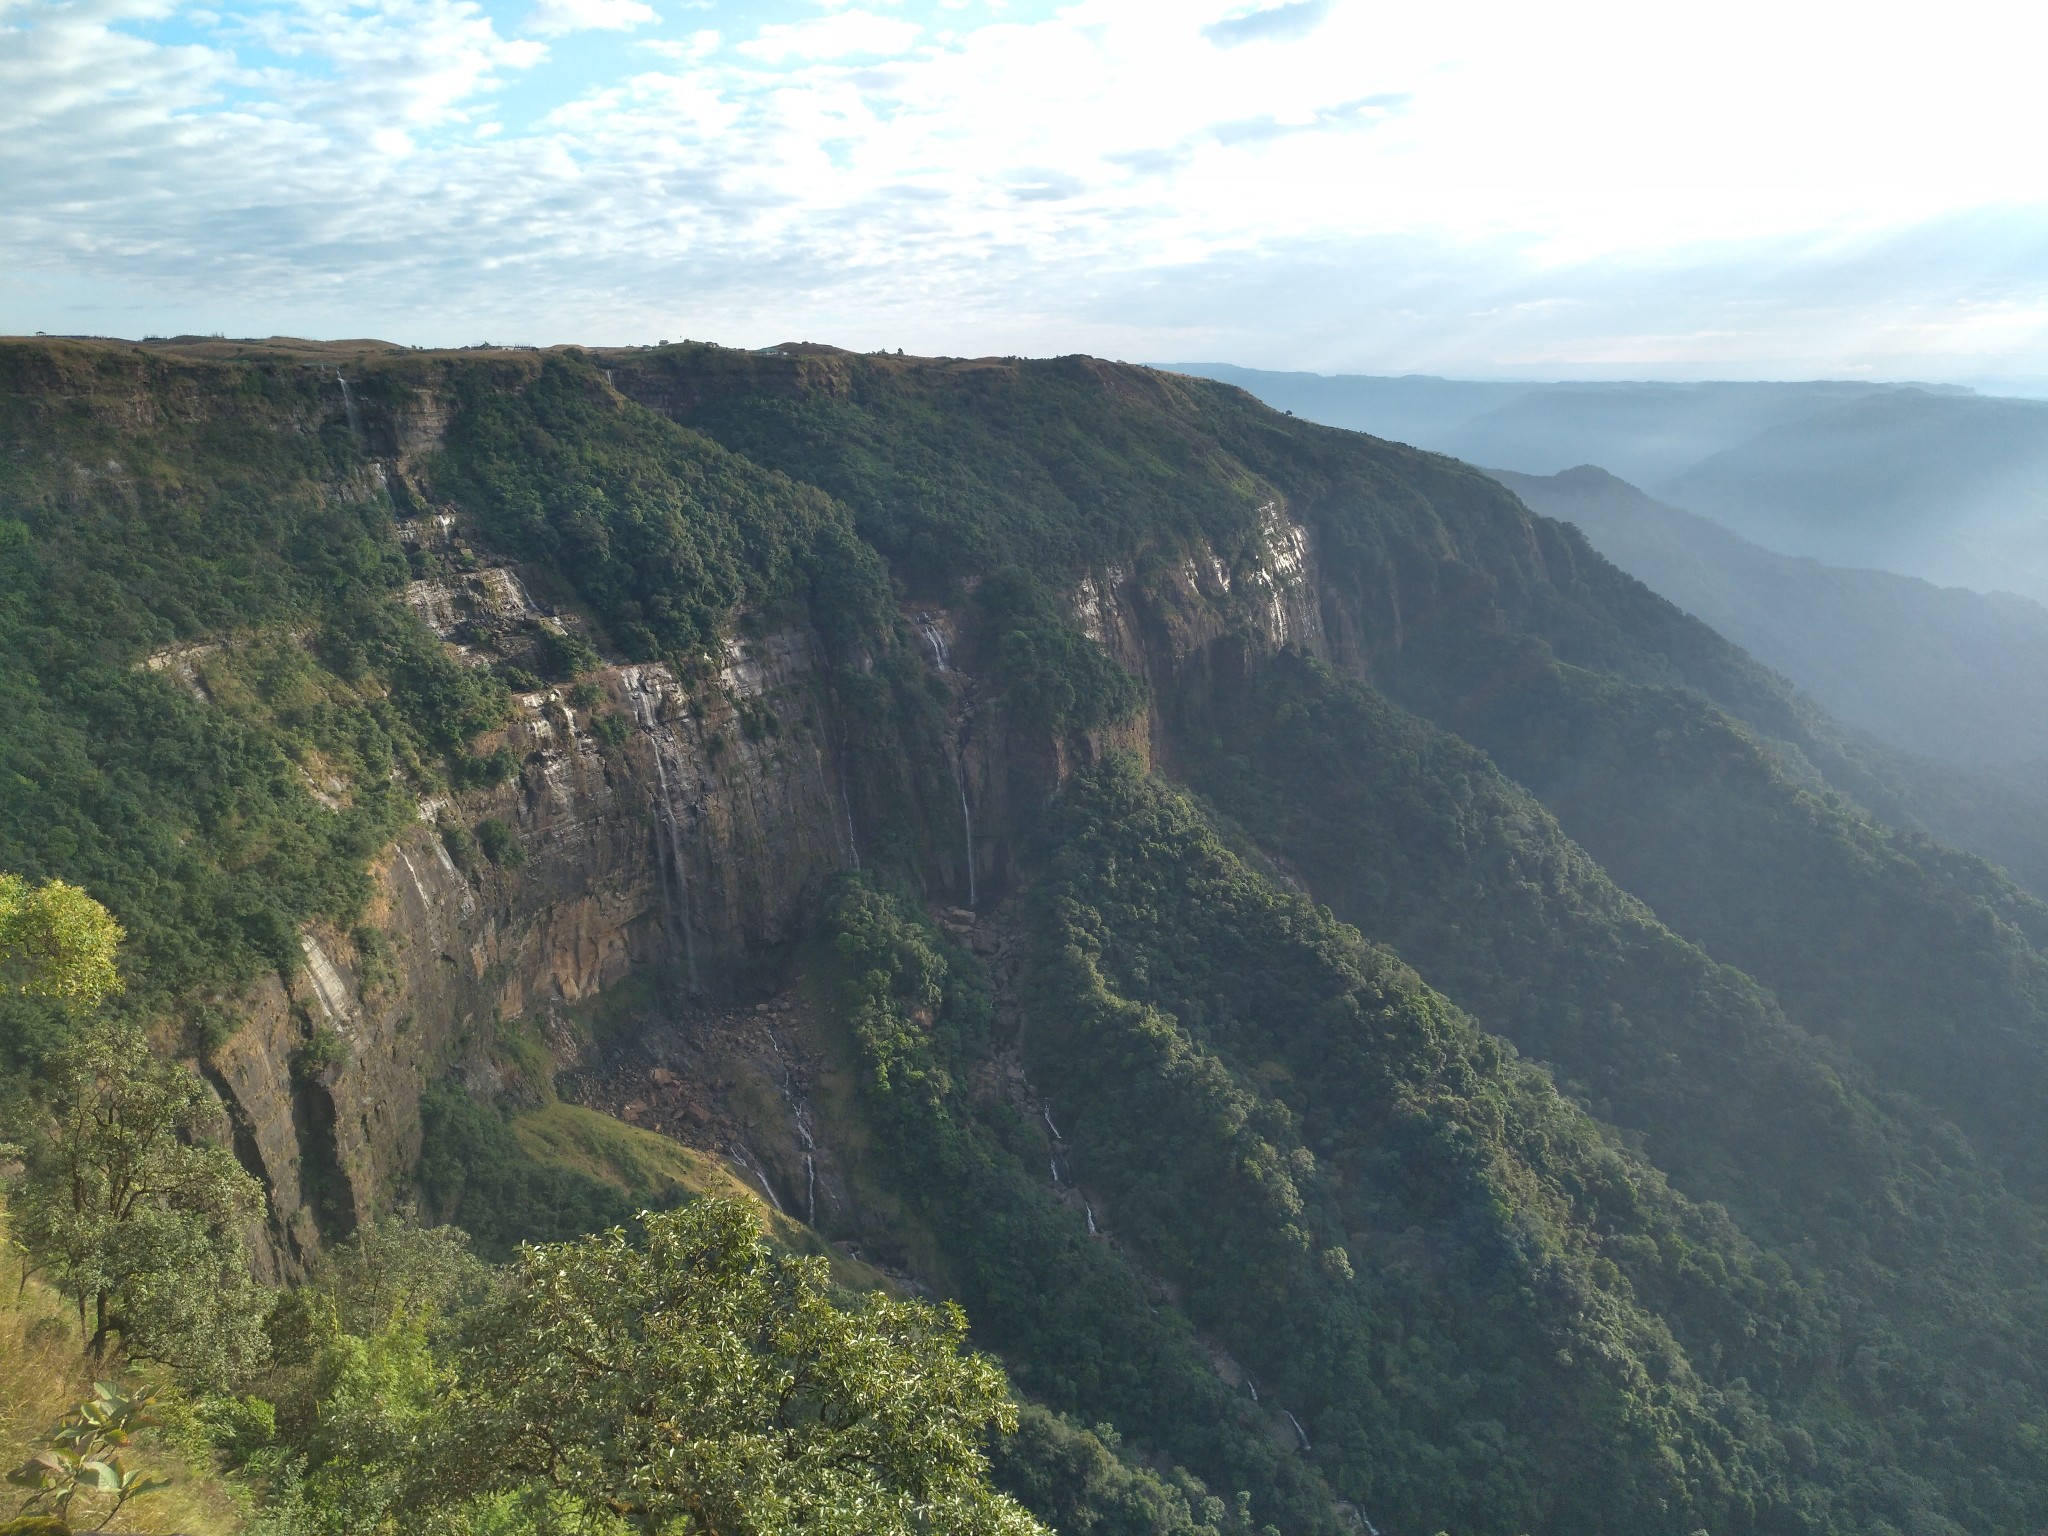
(1480, 188)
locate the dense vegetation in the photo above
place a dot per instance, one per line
(689, 1377)
(138, 511)
(1072, 1316)
(1434, 1262)
(658, 532)
(952, 469)
(1903, 1247)
(1576, 1226)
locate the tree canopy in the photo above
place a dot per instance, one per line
(704, 1378)
(134, 1215)
(56, 941)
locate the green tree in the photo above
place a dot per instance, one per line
(56, 941)
(135, 1215)
(705, 1383)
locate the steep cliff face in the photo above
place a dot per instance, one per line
(695, 842)
(696, 839)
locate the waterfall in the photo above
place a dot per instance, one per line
(846, 807)
(966, 826)
(797, 1107)
(355, 417)
(668, 900)
(1253, 1386)
(1298, 1429)
(803, 1131)
(608, 384)
(942, 655)
(942, 660)
(741, 1156)
(1056, 1136)
(1054, 1164)
(1091, 1217)
(668, 813)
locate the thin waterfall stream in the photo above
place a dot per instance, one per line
(942, 661)
(348, 404)
(942, 654)
(799, 1112)
(747, 1161)
(845, 804)
(645, 713)
(966, 825)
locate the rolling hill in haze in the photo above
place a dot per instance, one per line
(1953, 489)
(1381, 1019)
(1644, 432)
(1942, 672)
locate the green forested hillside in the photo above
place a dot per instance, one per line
(1501, 1063)
(145, 504)
(1687, 769)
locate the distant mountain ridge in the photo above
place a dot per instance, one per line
(1940, 671)
(1645, 431)
(1951, 488)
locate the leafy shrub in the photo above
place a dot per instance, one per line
(484, 770)
(499, 843)
(324, 1051)
(376, 958)
(564, 655)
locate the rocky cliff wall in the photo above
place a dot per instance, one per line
(697, 841)
(684, 822)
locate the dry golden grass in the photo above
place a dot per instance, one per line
(44, 1373)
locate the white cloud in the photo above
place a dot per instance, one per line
(1472, 186)
(552, 18)
(698, 45)
(1275, 23)
(843, 34)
